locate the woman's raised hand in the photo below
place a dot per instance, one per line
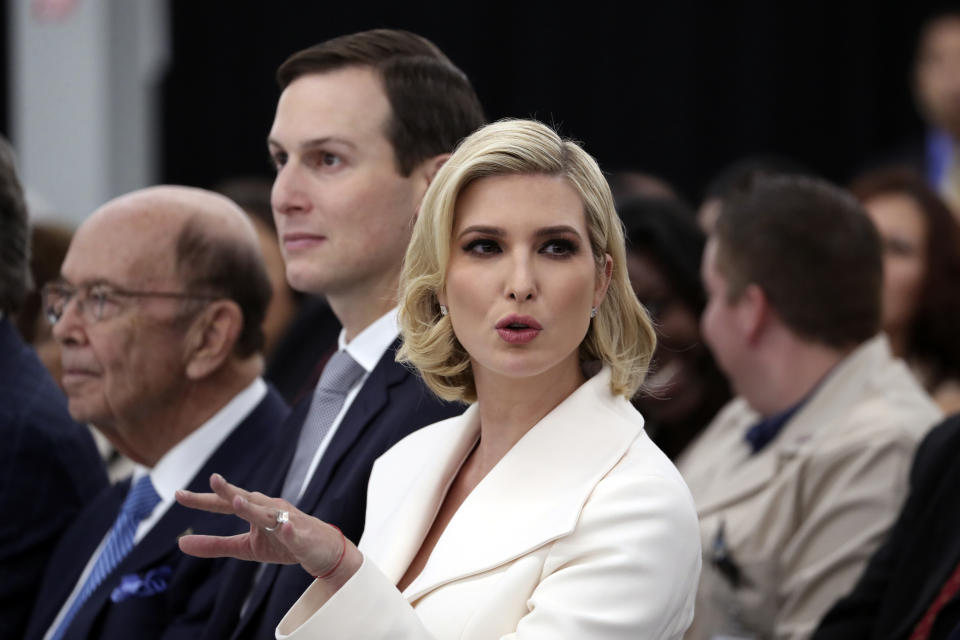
(295, 538)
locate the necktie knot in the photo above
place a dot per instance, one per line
(141, 499)
(340, 374)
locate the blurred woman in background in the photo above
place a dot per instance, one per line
(921, 277)
(685, 389)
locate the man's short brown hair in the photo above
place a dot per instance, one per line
(812, 250)
(432, 102)
(211, 264)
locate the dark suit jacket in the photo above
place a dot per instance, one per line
(921, 550)
(181, 610)
(49, 469)
(294, 367)
(392, 403)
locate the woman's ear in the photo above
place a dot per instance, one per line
(213, 335)
(603, 280)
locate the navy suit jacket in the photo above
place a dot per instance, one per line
(392, 403)
(921, 551)
(49, 469)
(182, 608)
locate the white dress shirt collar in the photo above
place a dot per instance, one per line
(178, 466)
(370, 344)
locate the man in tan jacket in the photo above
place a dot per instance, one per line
(798, 478)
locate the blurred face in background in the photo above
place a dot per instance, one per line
(938, 74)
(675, 385)
(903, 230)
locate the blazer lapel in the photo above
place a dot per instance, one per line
(93, 527)
(399, 518)
(737, 474)
(536, 492)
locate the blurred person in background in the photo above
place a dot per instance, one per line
(49, 243)
(909, 590)
(921, 275)
(798, 479)
(49, 467)
(630, 183)
(937, 91)
(685, 388)
(738, 179)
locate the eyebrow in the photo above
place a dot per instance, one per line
(315, 142)
(96, 282)
(498, 232)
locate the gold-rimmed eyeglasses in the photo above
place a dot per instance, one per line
(99, 301)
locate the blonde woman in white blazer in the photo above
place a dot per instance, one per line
(544, 511)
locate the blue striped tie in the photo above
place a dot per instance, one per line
(140, 502)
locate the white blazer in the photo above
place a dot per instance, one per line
(583, 530)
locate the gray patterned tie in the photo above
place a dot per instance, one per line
(338, 377)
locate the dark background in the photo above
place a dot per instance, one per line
(677, 89)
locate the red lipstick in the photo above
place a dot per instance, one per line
(517, 329)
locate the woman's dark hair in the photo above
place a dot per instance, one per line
(934, 338)
(666, 229)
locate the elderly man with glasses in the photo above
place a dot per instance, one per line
(158, 312)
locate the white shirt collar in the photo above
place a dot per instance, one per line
(178, 466)
(371, 343)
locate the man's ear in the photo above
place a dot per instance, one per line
(432, 166)
(427, 171)
(753, 311)
(211, 338)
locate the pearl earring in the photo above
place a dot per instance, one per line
(593, 312)
(443, 310)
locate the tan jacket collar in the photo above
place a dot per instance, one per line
(746, 474)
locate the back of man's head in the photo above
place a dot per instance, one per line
(814, 253)
(207, 262)
(433, 104)
(14, 234)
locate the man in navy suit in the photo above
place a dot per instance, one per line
(363, 123)
(49, 466)
(158, 312)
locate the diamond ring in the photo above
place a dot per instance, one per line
(282, 516)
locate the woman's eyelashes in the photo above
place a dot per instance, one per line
(559, 247)
(552, 247)
(482, 246)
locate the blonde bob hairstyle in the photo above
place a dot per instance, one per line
(621, 334)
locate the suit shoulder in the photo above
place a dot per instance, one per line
(893, 408)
